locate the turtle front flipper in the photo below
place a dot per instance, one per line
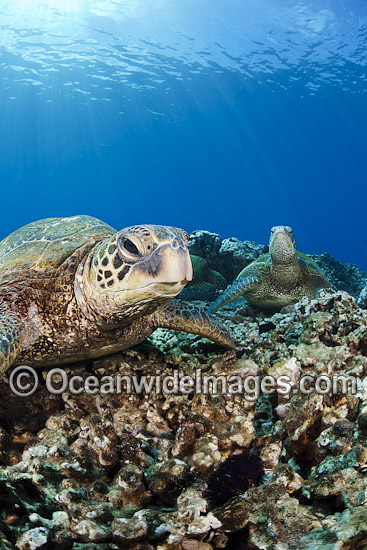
(178, 315)
(11, 337)
(234, 291)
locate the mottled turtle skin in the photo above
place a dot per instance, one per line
(279, 278)
(75, 288)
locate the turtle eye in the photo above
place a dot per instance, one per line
(288, 229)
(130, 247)
(185, 235)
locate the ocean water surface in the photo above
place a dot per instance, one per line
(231, 116)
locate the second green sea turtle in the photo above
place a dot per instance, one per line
(276, 279)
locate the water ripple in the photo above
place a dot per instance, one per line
(143, 45)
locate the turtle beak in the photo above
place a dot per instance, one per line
(167, 271)
(176, 265)
(175, 271)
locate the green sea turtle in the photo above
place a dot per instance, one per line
(74, 288)
(276, 279)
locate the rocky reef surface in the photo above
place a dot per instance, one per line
(167, 470)
(227, 256)
(249, 466)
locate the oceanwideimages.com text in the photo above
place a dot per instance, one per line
(24, 381)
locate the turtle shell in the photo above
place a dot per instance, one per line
(46, 244)
(313, 272)
(262, 265)
(306, 261)
(257, 268)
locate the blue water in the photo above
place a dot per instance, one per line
(226, 115)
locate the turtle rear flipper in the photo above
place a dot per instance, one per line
(188, 318)
(11, 336)
(234, 291)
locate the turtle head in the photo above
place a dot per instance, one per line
(282, 245)
(134, 272)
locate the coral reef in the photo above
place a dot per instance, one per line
(206, 245)
(341, 276)
(227, 256)
(234, 255)
(149, 470)
(362, 299)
